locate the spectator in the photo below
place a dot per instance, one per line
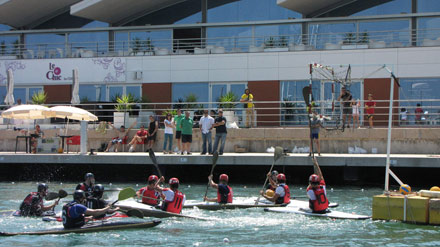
(38, 133)
(369, 109)
(346, 98)
(403, 116)
(186, 124)
(122, 134)
(419, 112)
(177, 119)
(315, 124)
(168, 139)
(152, 131)
(355, 105)
(247, 98)
(220, 132)
(18, 101)
(139, 138)
(206, 125)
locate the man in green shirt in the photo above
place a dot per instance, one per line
(186, 124)
(177, 119)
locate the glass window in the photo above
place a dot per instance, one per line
(388, 31)
(91, 41)
(248, 10)
(9, 45)
(294, 113)
(281, 35)
(3, 92)
(217, 90)
(421, 92)
(232, 38)
(20, 93)
(180, 91)
(428, 6)
(38, 44)
(428, 28)
(388, 8)
(121, 41)
(133, 90)
(334, 33)
(114, 92)
(92, 93)
(148, 40)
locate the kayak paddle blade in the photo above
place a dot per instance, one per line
(278, 153)
(52, 196)
(152, 156)
(62, 193)
(126, 193)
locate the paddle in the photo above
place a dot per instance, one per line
(54, 195)
(153, 159)
(125, 194)
(276, 155)
(214, 163)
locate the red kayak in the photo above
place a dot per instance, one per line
(108, 216)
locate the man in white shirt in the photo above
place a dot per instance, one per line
(174, 199)
(206, 124)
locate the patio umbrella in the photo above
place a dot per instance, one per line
(9, 99)
(27, 112)
(75, 88)
(71, 112)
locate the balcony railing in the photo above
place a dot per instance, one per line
(266, 113)
(221, 45)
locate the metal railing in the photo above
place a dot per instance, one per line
(219, 45)
(266, 113)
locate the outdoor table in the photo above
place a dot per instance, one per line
(28, 143)
(62, 141)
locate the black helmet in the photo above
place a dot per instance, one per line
(42, 187)
(98, 190)
(78, 195)
(274, 173)
(89, 175)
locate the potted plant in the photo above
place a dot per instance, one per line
(228, 103)
(39, 98)
(122, 109)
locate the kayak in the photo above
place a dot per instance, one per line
(218, 206)
(17, 213)
(93, 227)
(305, 204)
(308, 212)
(151, 211)
(107, 217)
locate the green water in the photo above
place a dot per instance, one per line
(243, 227)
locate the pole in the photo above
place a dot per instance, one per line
(310, 112)
(83, 138)
(390, 121)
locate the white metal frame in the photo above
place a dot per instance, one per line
(124, 89)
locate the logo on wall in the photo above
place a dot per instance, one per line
(54, 72)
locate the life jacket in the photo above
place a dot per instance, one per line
(87, 189)
(31, 205)
(321, 202)
(286, 198)
(222, 198)
(270, 187)
(95, 203)
(148, 195)
(176, 205)
(68, 221)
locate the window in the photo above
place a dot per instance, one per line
(388, 8)
(3, 92)
(281, 35)
(232, 38)
(219, 89)
(40, 44)
(294, 113)
(182, 91)
(428, 6)
(388, 31)
(25, 94)
(427, 29)
(92, 93)
(423, 92)
(334, 33)
(248, 10)
(91, 41)
(120, 90)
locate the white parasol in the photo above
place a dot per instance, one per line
(75, 88)
(9, 99)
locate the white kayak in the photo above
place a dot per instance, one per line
(308, 212)
(247, 203)
(151, 211)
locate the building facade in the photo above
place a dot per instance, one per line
(164, 51)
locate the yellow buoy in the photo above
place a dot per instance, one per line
(405, 189)
(270, 193)
(435, 188)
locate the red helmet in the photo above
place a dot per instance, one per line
(224, 177)
(174, 181)
(153, 178)
(281, 177)
(314, 178)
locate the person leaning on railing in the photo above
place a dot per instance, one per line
(247, 98)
